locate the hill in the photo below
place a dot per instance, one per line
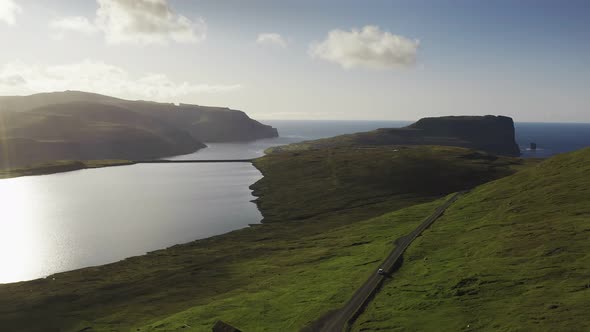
(298, 185)
(82, 126)
(512, 255)
(493, 134)
(328, 223)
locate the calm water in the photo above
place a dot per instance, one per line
(65, 221)
(291, 132)
(552, 138)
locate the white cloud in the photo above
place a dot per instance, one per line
(99, 77)
(271, 39)
(78, 24)
(136, 22)
(8, 11)
(369, 47)
(12, 80)
(146, 22)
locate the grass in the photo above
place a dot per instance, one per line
(330, 221)
(272, 277)
(493, 134)
(59, 167)
(513, 255)
(298, 185)
(302, 278)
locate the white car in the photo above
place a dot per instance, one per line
(381, 272)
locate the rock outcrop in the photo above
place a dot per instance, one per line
(494, 134)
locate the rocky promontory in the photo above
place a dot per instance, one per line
(493, 134)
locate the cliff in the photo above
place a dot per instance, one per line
(494, 134)
(490, 133)
(83, 126)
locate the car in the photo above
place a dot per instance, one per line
(381, 272)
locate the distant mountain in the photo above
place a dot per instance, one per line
(494, 134)
(81, 126)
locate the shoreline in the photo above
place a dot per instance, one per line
(323, 250)
(61, 167)
(71, 166)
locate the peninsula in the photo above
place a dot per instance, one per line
(493, 134)
(75, 125)
(331, 216)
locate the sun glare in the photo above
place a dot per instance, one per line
(19, 239)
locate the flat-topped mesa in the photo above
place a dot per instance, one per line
(493, 134)
(490, 133)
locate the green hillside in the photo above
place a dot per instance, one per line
(301, 184)
(493, 134)
(278, 276)
(86, 131)
(74, 125)
(513, 255)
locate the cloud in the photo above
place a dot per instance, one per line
(99, 77)
(369, 48)
(12, 80)
(8, 11)
(146, 22)
(78, 24)
(271, 39)
(136, 22)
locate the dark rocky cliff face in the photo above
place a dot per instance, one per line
(490, 133)
(494, 134)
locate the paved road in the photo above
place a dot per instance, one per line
(162, 161)
(341, 319)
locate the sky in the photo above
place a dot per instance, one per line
(309, 59)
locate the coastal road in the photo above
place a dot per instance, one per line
(340, 320)
(164, 161)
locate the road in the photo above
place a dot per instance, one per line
(163, 161)
(341, 319)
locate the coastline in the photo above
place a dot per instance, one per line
(61, 166)
(331, 244)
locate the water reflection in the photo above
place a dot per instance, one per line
(66, 221)
(19, 240)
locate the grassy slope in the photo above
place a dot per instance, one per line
(59, 167)
(304, 276)
(297, 185)
(493, 134)
(279, 275)
(268, 278)
(513, 255)
(83, 131)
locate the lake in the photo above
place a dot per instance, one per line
(60, 222)
(65, 221)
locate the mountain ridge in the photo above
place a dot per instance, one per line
(82, 126)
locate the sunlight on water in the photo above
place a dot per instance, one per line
(66, 221)
(20, 242)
